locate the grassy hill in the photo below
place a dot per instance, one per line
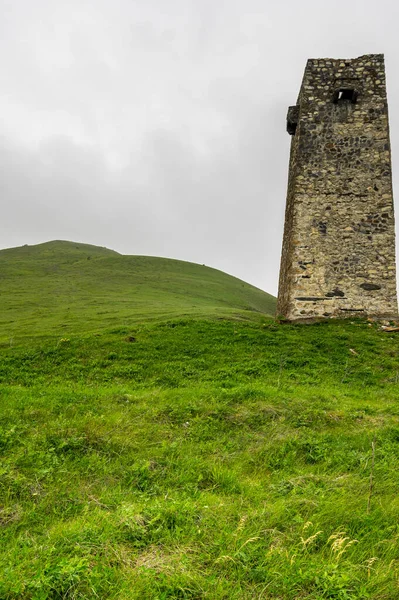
(63, 287)
(191, 457)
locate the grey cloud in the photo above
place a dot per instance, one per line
(158, 127)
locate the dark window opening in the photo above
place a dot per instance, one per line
(322, 227)
(292, 119)
(345, 95)
(291, 127)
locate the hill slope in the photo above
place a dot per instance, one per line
(65, 286)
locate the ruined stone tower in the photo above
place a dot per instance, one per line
(338, 255)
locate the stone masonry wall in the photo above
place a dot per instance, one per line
(338, 256)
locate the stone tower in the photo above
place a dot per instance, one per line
(338, 256)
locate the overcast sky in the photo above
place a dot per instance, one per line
(157, 127)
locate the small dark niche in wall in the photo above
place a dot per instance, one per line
(370, 286)
(322, 227)
(345, 95)
(335, 293)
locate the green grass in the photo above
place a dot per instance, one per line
(199, 457)
(65, 287)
